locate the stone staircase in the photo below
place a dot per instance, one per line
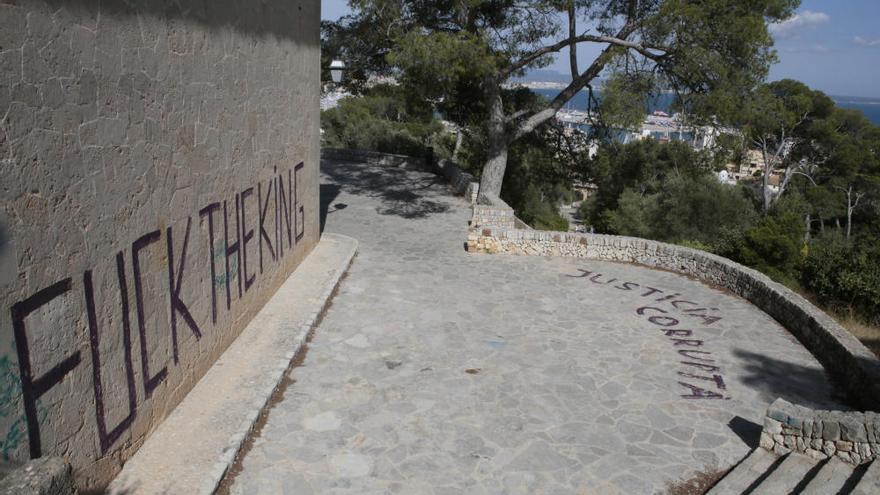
(763, 472)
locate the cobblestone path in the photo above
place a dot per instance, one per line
(441, 372)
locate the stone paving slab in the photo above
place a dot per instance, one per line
(192, 449)
(437, 371)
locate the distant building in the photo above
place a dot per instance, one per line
(659, 125)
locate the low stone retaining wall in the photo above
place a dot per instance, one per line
(496, 215)
(853, 437)
(462, 182)
(376, 158)
(853, 367)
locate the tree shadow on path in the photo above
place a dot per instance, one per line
(405, 193)
(774, 378)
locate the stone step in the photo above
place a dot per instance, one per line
(830, 479)
(785, 478)
(870, 482)
(745, 473)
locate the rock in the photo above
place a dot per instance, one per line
(852, 431)
(43, 476)
(843, 445)
(766, 441)
(815, 454)
(772, 426)
(829, 449)
(830, 430)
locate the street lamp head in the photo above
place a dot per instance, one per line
(336, 69)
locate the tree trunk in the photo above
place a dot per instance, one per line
(496, 163)
(765, 181)
(849, 211)
(807, 223)
(850, 206)
(459, 139)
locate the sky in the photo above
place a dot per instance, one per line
(831, 45)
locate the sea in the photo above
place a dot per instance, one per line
(870, 107)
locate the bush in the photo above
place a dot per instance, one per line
(382, 120)
(845, 278)
(540, 214)
(774, 246)
(685, 209)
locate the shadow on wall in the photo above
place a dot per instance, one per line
(401, 192)
(328, 194)
(265, 17)
(774, 378)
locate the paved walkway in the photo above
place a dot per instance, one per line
(441, 372)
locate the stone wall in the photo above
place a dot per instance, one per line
(158, 182)
(376, 158)
(496, 215)
(853, 437)
(463, 183)
(853, 367)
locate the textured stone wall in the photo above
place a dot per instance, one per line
(853, 437)
(462, 182)
(376, 158)
(158, 182)
(854, 368)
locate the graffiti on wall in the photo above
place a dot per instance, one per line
(676, 317)
(244, 240)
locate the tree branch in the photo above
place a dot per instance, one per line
(619, 40)
(576, 85)
(572, 50)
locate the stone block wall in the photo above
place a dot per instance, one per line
(854, 368)
(462, 182)
(492, 212)
(158, 182)
(377, 158)
(853, 437)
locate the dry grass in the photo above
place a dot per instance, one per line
(868, 334)
(698, 484)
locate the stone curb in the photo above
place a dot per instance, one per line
(139, 474)
(853, 437)
(854, 368)
(43, 476)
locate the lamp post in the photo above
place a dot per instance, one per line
(336, 70)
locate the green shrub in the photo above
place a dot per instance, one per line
(382, 120)
(540, 213)
(845, 278)
(774, 246)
